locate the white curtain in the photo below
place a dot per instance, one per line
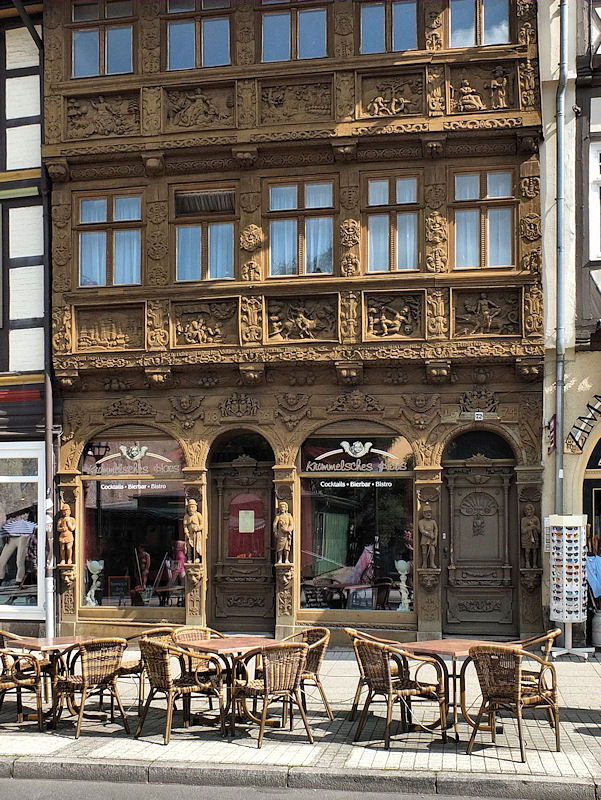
(499, 237)
(467, 238)
(283, 247)
(378, 243)
(127, 208)
(188, 253)
(221, 250)
(93, 210)
(406, 241)
(126, 257)
(318, 245)
(318, 195)
(92, 259)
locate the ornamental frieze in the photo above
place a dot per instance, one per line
(200, 107)
(495, 312)
(302, 318)
(295, 102)
(110, 328)
(105, 115)
(398, 315)
(207, 322)
(392, 95)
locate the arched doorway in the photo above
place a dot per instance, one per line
(240, 582)
(479, 537)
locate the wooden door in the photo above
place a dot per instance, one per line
(480, 550)
(241, 588)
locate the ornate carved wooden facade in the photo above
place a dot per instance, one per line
(426, 349)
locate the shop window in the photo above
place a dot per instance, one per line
(388, 27)
(205, 245)
(595, 202)
(102, 37)
(293, 31)
(392, 206)
(198, 34)
(133, 540)
(110, 240)
(301, 237)
(22, 493)
(479, 22)
(246, 527)
(357, 524)
(484, 212)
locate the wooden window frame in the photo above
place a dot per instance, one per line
(300, 214)
(197, 16)
(293, 7)
(101, 25)
(388, 27)
(109, 227)
(479, 26)
(483, 204)
(203, 220)
(391, 210)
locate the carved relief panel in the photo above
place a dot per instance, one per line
(200, 107)
(102, 328)
(103, 115)
(476, 89)
(302, 318)
(295, 102)
(205, 323)
(392, 95)
(493, 312)
(398, 315)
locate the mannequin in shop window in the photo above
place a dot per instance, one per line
(17, 530)
(143, 564)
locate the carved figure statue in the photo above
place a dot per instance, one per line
(428, 538)
(469, 98)
(530, 536)
(485, 311)
(283, 528)
(65, 527)
(498, 88)
(193, 525)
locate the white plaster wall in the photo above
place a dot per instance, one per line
(23, 147)
(26, 292)
(22, 96)
(26, 350)
(20, 48)
(26, 232)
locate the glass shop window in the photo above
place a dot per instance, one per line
(102, 38)
(22, 493)
(357, 538)
(133, 538)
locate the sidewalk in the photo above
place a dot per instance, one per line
(417, 761)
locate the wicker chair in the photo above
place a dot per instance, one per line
(135, 667)
(205, 679)
(21, 672)
(190, 633)
(499, 669)
(543, 640)
(355, 634)
(89, 668)
(282, 667)
(318, 640)
(45, 666)
(374, 659)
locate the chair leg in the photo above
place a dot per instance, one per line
(233, 702)
(19, 706)
(389, 702)
(363, 716)
(521, 734)
(143, 715)
(303, 695)
(492, 718)
(284, 712)
(556, 715)
(299, 703)
(186, 710)
(470, 744)
(141, 691)
(38, 697)
(263, 721)
(170, 703)
(115, 696)
(442, 704)
(356, 701)
(319, 685)
(2, 694)
(84, 695)
(221, 713)
(57, 708)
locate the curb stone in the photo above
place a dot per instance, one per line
(515, 787)
(82, 770)
(6, 766)
(381, 780)
(218, 774)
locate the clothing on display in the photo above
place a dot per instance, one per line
(18, 532)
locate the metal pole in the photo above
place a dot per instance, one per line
(560, 345)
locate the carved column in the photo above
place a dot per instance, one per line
(428, 589)
(68, 580)
(529, 486)
(284, 484)
(195, 485)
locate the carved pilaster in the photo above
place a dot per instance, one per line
(428, 593)
(531, 619)
(284, 577)
(195, 594)
(150, 34)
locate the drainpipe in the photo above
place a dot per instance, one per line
(48, 519)
(560, 345)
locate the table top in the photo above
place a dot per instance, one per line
(46, 644)
(457, 648)
(230, 645)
